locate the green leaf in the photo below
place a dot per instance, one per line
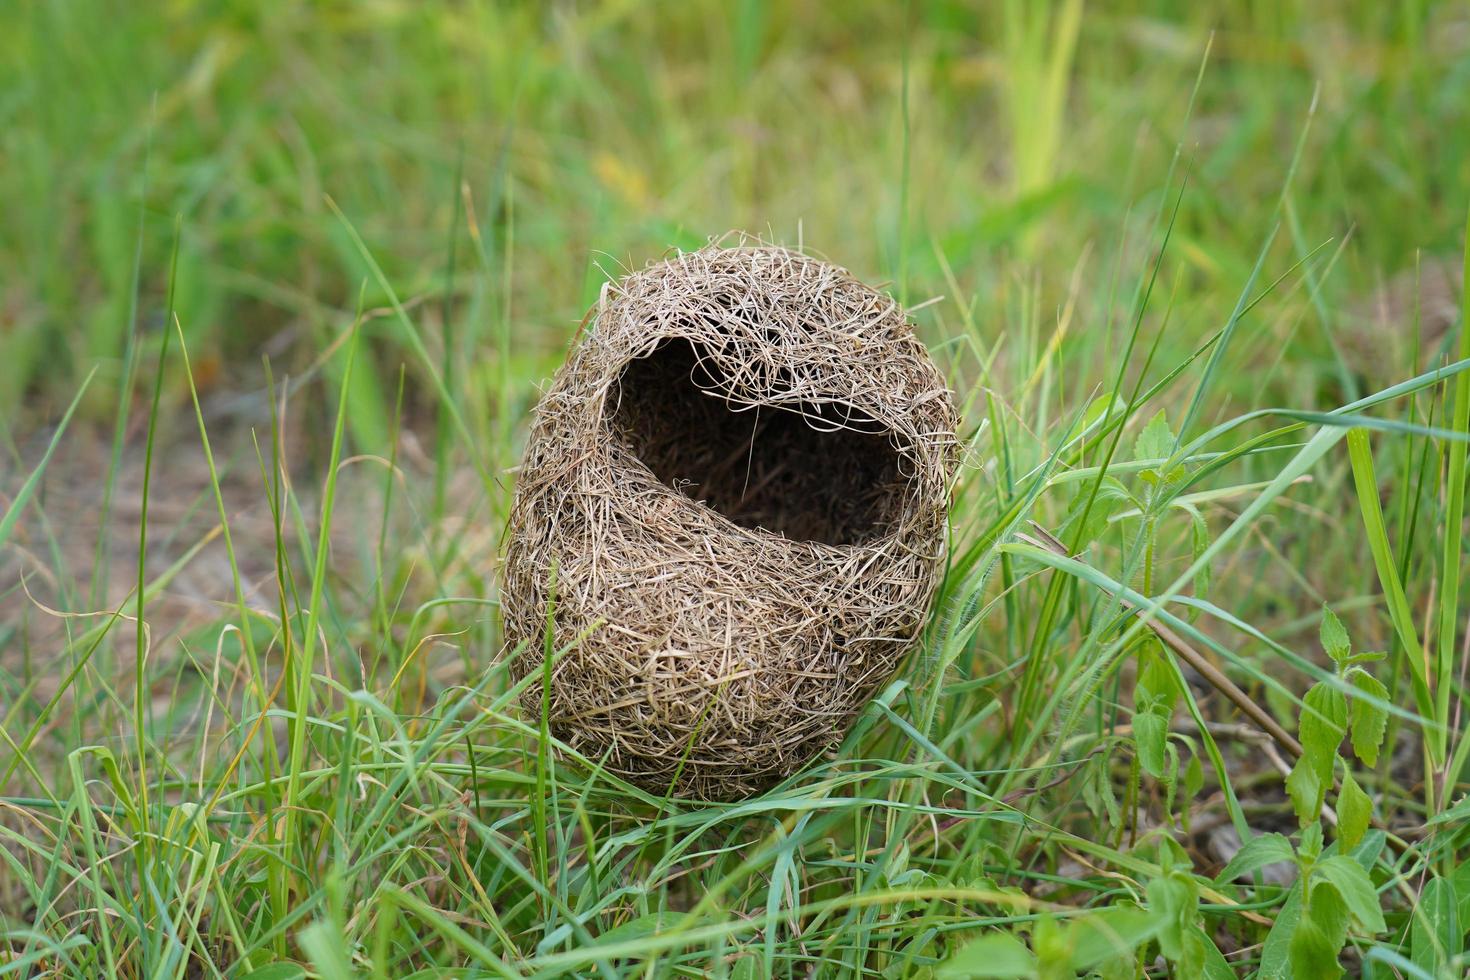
(1399, 610)
(1118, 968)
(1156, 441)
(1259, 851)
(1368, 852)
(1200, 540)
(1097, 791)
(1108, 933)
(1319, 937)
(1351, 881)
(1367, 719)
(897, 864)
(1157, 688)
(1455, 814)
(1335, 637)
(645, 925)
(1309, 844)
(1088, 516)
(275, 971)
(1203, 958)
(1354, 811)
(1097, 408)
(1436, 934)
(1275, 952)
(1150, 733)
(1170, 779)
(1323, 724)
(1053, 949)
(327, 949)
(1461, 882)
(995, 954)
(1174, 898)
(1306, 790)
(1194, 777)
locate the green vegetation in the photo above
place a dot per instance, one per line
(280, 283)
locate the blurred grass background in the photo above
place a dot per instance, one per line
(1028, 167)
(1001, 140)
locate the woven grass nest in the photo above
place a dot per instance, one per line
(732, 509)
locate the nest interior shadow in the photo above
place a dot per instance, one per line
(812, 471)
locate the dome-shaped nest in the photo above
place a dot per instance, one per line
(732, 507)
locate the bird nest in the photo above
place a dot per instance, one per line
(731, 517)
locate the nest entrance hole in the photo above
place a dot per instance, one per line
(810, 471)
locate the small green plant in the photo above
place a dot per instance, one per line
(1061, 948)
(1113, 943)
(1328, 714)
(1333, 890)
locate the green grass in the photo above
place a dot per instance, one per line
(279, 291)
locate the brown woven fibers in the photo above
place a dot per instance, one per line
(738, 483)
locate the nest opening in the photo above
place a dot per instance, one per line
(809, 470)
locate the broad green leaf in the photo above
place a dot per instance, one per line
(1367, 719)
(1275, 952)
(1436, 934)
(1335, 637)
(1123, 967)
(1174, 899)
(1461, 882)
(645, 925)
(1351, 882)
(1156, 441)
(1194, 778)
(1171, 855)
(325, 946)
(1354, 811)
(1368, 852)
(1203, 958)
(1319, 937)
(1108, 933)
(1309, 844)
(1323, 724)
(1097, 408)
(1150, 733)
(275, 971)
(1157, 688)
(1053, 948)
(1089, 514)
(1306, 790)
(995, 954)
(1258, 852)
